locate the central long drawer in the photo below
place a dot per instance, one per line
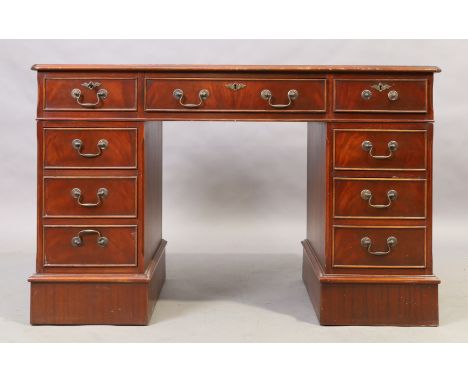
(234, 94)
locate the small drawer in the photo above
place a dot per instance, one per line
(379, 247)
(379, 198)
(90, 94)
(90, 196)
(359, 149)
(381, 96)
(90, 246)
(230, 94)
(90, 148)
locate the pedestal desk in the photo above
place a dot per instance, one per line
(367, 255)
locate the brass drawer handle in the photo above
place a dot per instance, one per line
(368, 146)
(267, 96)
(366, 94)
(391, 195)
(393, 95)
(202, 94)
(366, 242)
(101, 145)
(77, 241)
(101, 95)
(101, 194)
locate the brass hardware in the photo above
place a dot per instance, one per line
(381, 87)
(101, 145)
(101, 194)
(235, 86)
(393, 95)
(366, 94)
(366, 242)
(202, 94)
(77, 241)
(392, 146)
(391, 195)
(292, 95)
(101, 94)
(91, 85)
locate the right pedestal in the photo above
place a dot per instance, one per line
(368, 251)
(369, 300)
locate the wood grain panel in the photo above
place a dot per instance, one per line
(121, 152)
(412, 96)
(370, 299)
(410, 202)
(83, 299)
(121, 200)
(410, 154)
(121, 249)
(409, 252)
(122, 94)
(159, 94)
(153, 188)
(317, 176)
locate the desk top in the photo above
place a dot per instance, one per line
(237, 68)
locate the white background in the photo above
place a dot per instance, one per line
(247, 19)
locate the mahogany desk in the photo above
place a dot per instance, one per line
(368, 251)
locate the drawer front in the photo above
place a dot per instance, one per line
(359, 149)
(379, 198)
(90, 197)
(90, 148)
(379, 247)
(90, 246)
(227, 95)
(90, 94)
(381, 96)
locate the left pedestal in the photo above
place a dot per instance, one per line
(100, 254)
(126, 299)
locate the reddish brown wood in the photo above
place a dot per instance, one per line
(159, 94)
(153, 189)
(156, 275)
(370, 300)
(317, 187)
(411, 153)
(409, 252)
(236, 68)
(119, 284)
(121, 200)
(99, 299)
(121, 152)
(235, 75)
(121, 249)
(410, 202)
(412, 95)
(122, 93)
(385, 175)
(88, 303)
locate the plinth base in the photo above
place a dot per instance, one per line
(112, 299)
(369, 299)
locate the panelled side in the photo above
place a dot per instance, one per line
(153, 188)
(317, 187)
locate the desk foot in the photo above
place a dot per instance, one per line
(98, 299)
(369, 299)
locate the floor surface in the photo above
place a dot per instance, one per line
(237, 298)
